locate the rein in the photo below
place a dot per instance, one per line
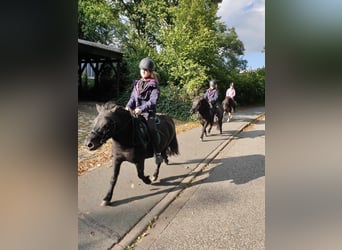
(104, 136)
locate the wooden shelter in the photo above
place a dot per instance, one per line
(105, 62)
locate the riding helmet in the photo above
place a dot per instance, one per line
(147, 63)
(212, 83)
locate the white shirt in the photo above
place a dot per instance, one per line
(230, 92)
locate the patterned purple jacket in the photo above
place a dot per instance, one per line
(144, 95)
(211, 95)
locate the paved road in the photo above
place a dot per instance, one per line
(136, 204)
(225, 206)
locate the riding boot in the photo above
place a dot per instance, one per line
(155, 140)
(215, 115)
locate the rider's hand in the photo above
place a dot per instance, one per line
(137, 111)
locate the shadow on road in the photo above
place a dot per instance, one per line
(238, 170)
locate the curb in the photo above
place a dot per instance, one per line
(151, 216)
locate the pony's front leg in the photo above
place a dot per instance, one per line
(109, 195)
(210, 126)
(220, 124)
(229, 116)
(140, 169)
(204, 130)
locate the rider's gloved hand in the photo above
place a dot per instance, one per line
(137, 111)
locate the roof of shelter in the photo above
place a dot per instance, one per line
(97, 50)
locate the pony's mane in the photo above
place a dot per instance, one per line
(110, 106)
(201, 99)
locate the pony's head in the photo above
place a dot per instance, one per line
(197, 103)
(106, 124)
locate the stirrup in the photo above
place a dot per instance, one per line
(159, 158)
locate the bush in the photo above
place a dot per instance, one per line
(250, 87)
(174, 102)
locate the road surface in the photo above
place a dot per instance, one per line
(135, 204)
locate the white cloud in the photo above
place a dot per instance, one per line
(248, 19)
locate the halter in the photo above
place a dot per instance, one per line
(105, 135)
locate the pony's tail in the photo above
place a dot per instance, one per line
(173, 147)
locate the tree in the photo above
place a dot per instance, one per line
(97, 21)
(142, 22)
(198, 47)
(189, 43)
(250, 86)
(184, 37)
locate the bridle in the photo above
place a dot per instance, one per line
(106, 134)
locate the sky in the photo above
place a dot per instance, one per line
(248, 19)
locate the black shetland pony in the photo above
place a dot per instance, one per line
(228, 107)
(206, 116)
(130, 142)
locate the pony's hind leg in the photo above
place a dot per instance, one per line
(165, 157)
(140, 169)
(156, 172)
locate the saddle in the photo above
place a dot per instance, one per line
(143, 132)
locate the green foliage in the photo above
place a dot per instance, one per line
(96, 21)
(174, 102)
(250, 87)
(189, 44)
(185, 38)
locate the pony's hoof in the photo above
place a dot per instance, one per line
(105, 203)
(166, 162)
(147, 180)
(155, 178)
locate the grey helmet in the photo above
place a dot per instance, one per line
(212, 83)
(147, 63)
